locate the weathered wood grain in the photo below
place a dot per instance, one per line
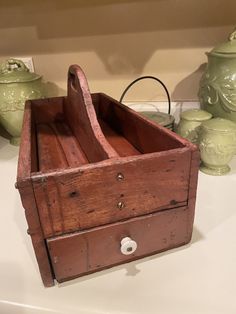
(50, 152)
(57, 147)
(102, 172)
(35, 231)
(143, 134)
(26, 164)
(26, 152)
(117, 141)
(81, 253)
(47, 110)
(90, 195)
(72, 150)
(81, 116)
(194, 169)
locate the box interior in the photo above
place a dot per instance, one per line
(55, 145)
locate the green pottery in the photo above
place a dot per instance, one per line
(17, 85)
(217, 92)
(217, 144)
(190, 121)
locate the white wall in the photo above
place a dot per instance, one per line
(117, 41)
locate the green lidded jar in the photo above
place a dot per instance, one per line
(17, 85)
(217, 92)
(217, 144)
(190, 121)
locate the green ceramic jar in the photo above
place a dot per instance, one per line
(17, 85)
(190, 120)
(217, 144)
(217, 93)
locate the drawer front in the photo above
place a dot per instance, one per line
(98, 248)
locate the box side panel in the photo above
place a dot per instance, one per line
(142, 133)
(35, 231)
(120, 144)
(102, 194)
(48, 110)
(27, 160)
(81, 253)
(27, 163)
(194, 169)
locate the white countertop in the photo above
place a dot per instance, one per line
(197, 278)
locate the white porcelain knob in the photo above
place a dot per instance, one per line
(128, 246)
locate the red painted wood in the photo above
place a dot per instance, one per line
(195, 162)
(47, 110)
(89, 195)
(35, 231)
(72, 150)
(117, 141)
(26, 164)
(50, 153)
(145, 135)
(81, 253)
(81, 117)
(91, 166)
(26, 155)
(64, 150)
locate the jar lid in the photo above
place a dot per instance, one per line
(219, 124)
(15, 71)
(196, 115)
(228, 47)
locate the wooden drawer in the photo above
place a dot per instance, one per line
(84, 252)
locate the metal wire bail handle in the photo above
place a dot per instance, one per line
(148, 77)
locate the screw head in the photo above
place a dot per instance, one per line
(120, 176)
(121, 205)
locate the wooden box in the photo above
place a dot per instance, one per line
(100, 184)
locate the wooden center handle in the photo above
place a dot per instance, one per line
(77, 82)
(81, 116)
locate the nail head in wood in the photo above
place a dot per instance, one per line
(120, 177)
(120, 205)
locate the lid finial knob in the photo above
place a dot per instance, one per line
(232, 36)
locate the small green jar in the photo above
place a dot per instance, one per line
(217, 144)
(17, 85)
(190, 120)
